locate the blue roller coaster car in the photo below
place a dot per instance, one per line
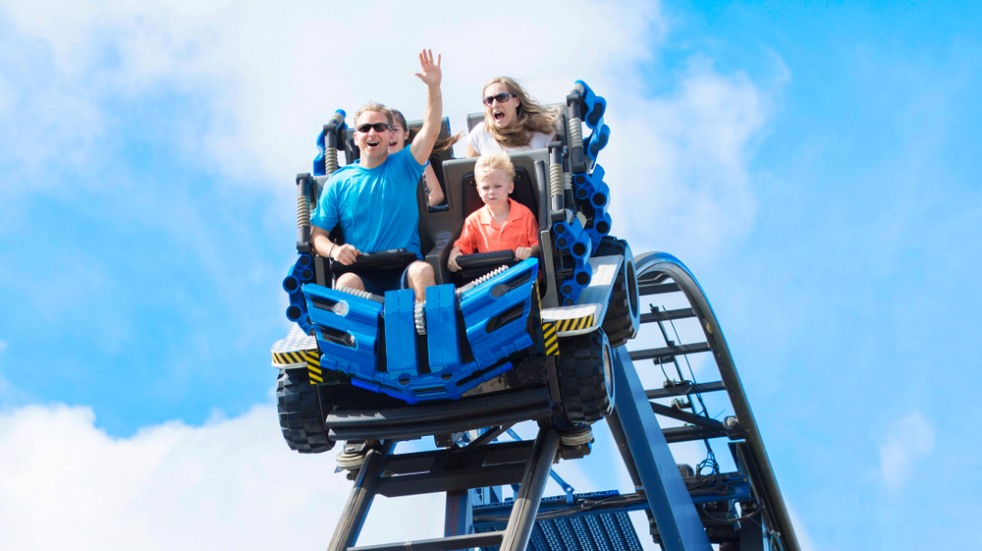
(502, 341)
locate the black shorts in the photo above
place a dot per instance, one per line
(379, 281)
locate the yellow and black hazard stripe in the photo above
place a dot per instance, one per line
(574, 324)
(550, 338)
(296, 357)
(310, 357)
(314, 373)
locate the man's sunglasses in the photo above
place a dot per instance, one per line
(500, 98)
(379, 127)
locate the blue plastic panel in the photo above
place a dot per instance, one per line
(594, 106)
(596, 141)
(301, 273)
(441, 328)
(592, 197)
(496, 313)
(347, 329)
(400, 333)
(573, 244)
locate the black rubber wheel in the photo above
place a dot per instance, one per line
(301, 416)
(623, 317)
(586, 378)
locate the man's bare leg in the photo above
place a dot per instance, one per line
(420, 276)
(350, 281)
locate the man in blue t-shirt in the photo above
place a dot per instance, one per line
(374, 200)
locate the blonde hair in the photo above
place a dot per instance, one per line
(378, 108)
(531, 117)
(498, 160)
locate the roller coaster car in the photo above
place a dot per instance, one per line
(525, 340)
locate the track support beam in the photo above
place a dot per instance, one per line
(671, 505)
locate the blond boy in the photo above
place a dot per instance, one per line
(502, 223)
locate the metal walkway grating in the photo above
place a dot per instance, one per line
(576, 531)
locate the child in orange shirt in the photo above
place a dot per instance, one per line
(502, 223)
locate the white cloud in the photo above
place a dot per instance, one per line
(909, 440)
(686, 156)
(232, 484)
(259, 83)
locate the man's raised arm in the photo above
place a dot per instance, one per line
(431, 75)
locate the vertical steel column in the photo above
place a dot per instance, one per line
(621, 439)
(459, 517)
(526, 507)
(671, 505)
(360, 499)
(751, 534)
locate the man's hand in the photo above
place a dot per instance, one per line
(345, 254)
(431, 74)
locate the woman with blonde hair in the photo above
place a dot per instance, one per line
(512, 120)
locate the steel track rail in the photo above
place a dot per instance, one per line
(654, 269)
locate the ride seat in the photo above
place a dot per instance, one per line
(525, 192)
(531, 190)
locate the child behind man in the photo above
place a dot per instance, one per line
(502, 223)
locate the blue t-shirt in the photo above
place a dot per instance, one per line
(375, 207)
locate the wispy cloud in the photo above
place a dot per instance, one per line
(232, 484)
(909, 440)
(169, 137)
(687, 157)
(257, 84)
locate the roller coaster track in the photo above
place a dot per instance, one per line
(667, 412)
(663, 279)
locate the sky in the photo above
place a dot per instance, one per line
(815, 166)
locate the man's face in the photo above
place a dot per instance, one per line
(371, 138)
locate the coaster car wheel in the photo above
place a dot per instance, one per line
(623, 316)
(301, 417)
(586, 378)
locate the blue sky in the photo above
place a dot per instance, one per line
(816, 167)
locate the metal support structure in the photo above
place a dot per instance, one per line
(459, 517)
(689, 512)
(765, 481)
(533, 483)
(671, 506)
(360, 499)
(456, 472)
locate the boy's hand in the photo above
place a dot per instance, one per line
(452, 261)
(522, 253)
(431, 74)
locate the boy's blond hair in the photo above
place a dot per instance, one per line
(498, 160)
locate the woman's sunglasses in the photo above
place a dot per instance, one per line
(379, 127)
(500, 98)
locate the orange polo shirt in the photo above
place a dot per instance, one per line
(481, 233)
